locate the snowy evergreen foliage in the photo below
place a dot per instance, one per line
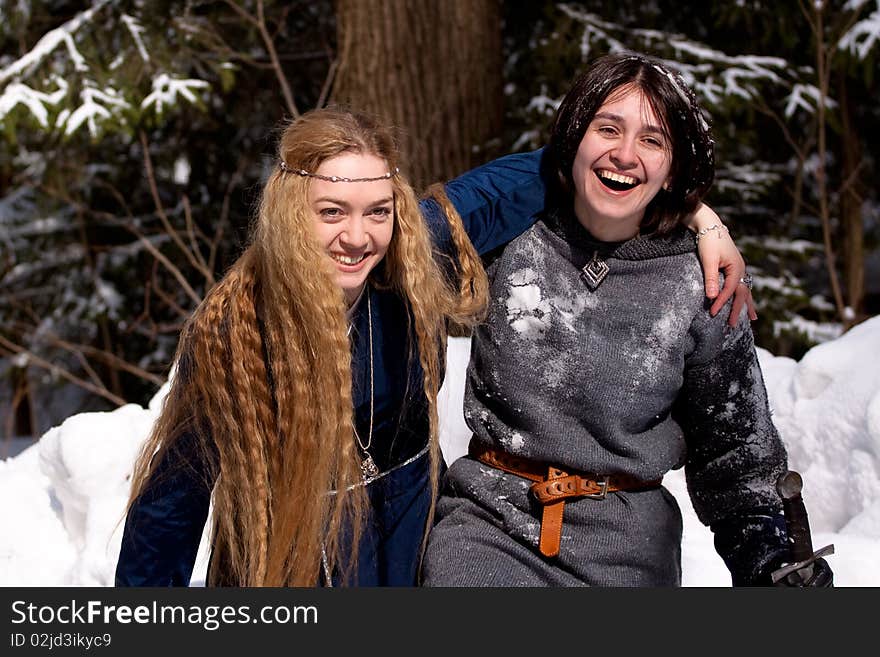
(70, 107)
(132, 140)
(760, 91)
(134, 135)
(861, 39)
(93, 72)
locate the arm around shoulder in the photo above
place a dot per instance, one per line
(497, 201)
(718, 253)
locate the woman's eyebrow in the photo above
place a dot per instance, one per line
(387, 200)
(344, 203)
(331, 199)
(617, 118)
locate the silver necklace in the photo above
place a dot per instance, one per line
(368, 465)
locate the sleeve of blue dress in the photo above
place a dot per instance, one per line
(496, 201)
(164, 526)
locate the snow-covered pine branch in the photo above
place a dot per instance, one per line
(18, 93)
(748, 182)
(136, 30)
(24, 66)
(166, 89)
(86, 92)
(97, 105)
(805, 97)
(713, 74)
(865, 34)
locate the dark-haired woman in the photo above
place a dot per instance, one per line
(600, 369)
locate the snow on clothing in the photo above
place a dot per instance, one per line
(163, 529)
(635, 377)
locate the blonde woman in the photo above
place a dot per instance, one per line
(305, 395)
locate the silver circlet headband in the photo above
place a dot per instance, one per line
(302, 172)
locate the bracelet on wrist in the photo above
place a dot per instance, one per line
(704, 231)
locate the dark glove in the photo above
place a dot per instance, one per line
(821, 577)
(753, 545)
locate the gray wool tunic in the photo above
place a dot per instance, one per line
(635, 377)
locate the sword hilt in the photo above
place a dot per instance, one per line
(801, 555)
(789, 487)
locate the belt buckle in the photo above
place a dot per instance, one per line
(603, 486)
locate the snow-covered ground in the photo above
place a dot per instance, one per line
(62, 500)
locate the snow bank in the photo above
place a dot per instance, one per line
(88, 460)
(62, 500)
(35, 548)
(827, 410)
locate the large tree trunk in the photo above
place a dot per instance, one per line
(430, 68)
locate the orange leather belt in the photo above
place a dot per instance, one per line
(553, 487)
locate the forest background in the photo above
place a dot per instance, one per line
(135, 135)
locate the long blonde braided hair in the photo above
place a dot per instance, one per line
(264, 370)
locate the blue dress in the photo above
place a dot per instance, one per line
(497, 202)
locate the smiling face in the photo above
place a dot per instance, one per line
(621, 164)
(354, 221)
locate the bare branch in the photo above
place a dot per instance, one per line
(116, 195)
(175, 272)
(193, 244)
(128, 225)
(238, 9)
(260, 22)
(852, 178)
(823, 75)
(800, 151)
(215, 43)
(276, 64)
(60, 371)
(164, 296)
(79, 349)
(328, 83)
(93, 375)
(109, 358)
(160, 210)
(145, 313)
(807, 11)
(234, 180)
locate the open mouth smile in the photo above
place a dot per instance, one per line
(617, 182)
(349, 261)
